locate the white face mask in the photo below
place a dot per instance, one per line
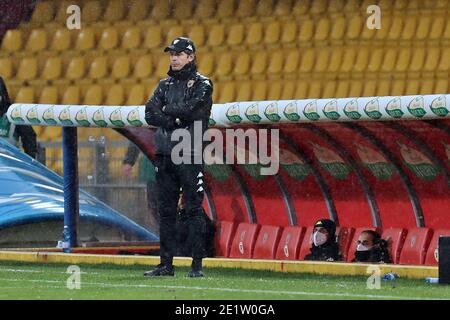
(319, 238)
(362, 247)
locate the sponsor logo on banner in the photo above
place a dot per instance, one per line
(133, 118)
(252, 113)
(416, 107)
(331, 161)
(394, 108)
(351, 110)
(310, 111)
(32, 116)
(293, 165)
(49, 116)
(233, 113)
(16, 114)
(271, 112)
(418, 163)
(439, 106)
(116, 118)
(81, 118)
(372, 109)
(64, 117)
(99, 118)
(331, 110)
(375, 162)
(291, 112)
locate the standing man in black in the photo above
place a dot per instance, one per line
(180, 101)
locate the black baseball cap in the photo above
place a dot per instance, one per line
(181, 44)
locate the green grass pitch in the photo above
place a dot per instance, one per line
(49, 281)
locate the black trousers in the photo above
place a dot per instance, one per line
(169, 179)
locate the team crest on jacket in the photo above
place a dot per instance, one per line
(190, 83)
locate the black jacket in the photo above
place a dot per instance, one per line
(378, 254)
(179, 100)
(329, 251)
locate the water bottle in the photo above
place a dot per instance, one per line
(432, 280)
(390, 276)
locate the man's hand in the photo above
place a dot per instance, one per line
(126, 170)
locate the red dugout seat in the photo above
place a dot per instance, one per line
(353, 243)
(290, 242)
(306, 243)
(415, 247)
(395, 238)
(345, 236)
(244, 240)
(432, 258)
(224, 237)
(267, 242)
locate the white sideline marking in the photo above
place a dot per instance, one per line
(301, 293)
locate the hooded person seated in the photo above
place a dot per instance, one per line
(371, 248)
(325, 246)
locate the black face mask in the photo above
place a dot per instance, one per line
(362, 256)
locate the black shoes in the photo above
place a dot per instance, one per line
(161, 270)
(196, 269)
(195, 274)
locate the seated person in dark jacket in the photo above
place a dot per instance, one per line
(371, 248)
(325, 246)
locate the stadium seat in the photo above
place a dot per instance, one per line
(353, 243)
(136, 96)
(61, 40)
(131, 38)
(245, 8)
(415, 246)
(282, 8)
(52, 68)
(384, 87)
(395, 28)
(225, 231)
(6, 68)
(355, 26)
(289, 33)
(306, 31)
(174, 32)
(216, 36)
(403, 60)
(160, 10)
(395, 238)
(25, 95)
(432, 257)
(43, 12)
(115, 96)
(91, 11)
(244, 240)
(290, 242)
(71, 95)
(259, 92)
(318, 7)
(227, 92)
(329, 90)
(335, 61)
(274, 91)
(225, 9)
(409, 28)
(75, 69)
(27, 69)
(417, 60)
(306, 244)
(437, 28)
(121, 67)
(85, 39)
(242, 64)
(254, 34)
(143, 67)
(431, 59)
(301, 89)
(259, 63)
(98, 68)
(375, 61)
(307, 61)
(114, 11)
(264, 8)
(153, 38)
(322, 29)
(197, 34)
(182, 9)
(12, 41)
(276, 63)
(37, 40)
(423, 28)
(342, 89)
(345, 236)
(93, 95)
(206, 64)
(235, 36)
(272, 33)
(337, 31)
(301, 7)
(204, 9)
(441, 86)
(49, 95)
(109, 39)
(138, 10)
(267, 242)
(322, 61)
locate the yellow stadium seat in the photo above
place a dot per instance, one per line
(446, 35)
(254, 34)
(37, 40)
(427, 86)
(235, 35)
(259, 92)
(289, 33)
(225, 8)
(264, 8)
(432, 59)
(259, 63)
(71, 95)
(404, 59)
(138, 10)
(206, 64)
(242, 64)
(114, 11)
(115, 95)
(98, 68)
(291, 62)
(174, 32)
(197, 34)
(409, 29)
(276, 63)
(323, 59)
(315, 89)
(396, 27)
(441, 86)
(355, 88)
(85, 39)
(335, 60)
(143, 67)
(121, 67)
(216, 35)
(245, 8)
(43, 12)
(76, 69)
(301, 7)
(243, 91)
(336, 6)
(301, 89)
(342, 89)
(49, 95)
(93, 95)
(382, 34)
(283, 8)
(412, 87)
(52, 68)
(92, 11)
(182, 9)
(417, 60)
(274, 91)
(440, 4)
(423, 29)
(6, 68)
(369, 89)
(272, 34)
(160, 10)
(348, 60)
(384, 87)
(437, 27)
(136, 95)
(109, 39)
(329, 90)
(205, 9)
(131, 38)
(375, 60)
(27, 70)
(318, 6)
(153, 37)
(61, 40)
(385, 5)
(161, 68)
(389, 61)
(338, 29)
(444, 63)
(351, 6)
(12, 41)
(362, 60)
(322, 30)
(224, 65)
(227, 92)
(25, 95)
(398, 88)
(306, 30)
(307, 62)
(288, 90)
(356, 24)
